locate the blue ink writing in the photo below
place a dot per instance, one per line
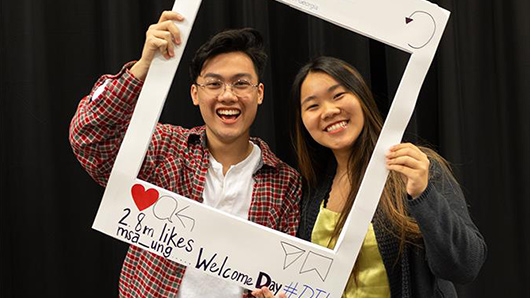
(292, 291)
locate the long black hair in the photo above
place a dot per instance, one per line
(313, 157)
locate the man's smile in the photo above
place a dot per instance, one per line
(228, 115)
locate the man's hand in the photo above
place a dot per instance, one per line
(161, 37)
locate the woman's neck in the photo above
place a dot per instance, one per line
(341, 186)
(342, 158)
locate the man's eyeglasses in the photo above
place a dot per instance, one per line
(218, 87)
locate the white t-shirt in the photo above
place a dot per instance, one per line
(231, 193)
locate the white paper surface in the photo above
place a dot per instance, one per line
(206, 239)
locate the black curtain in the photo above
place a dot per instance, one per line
(473, 108)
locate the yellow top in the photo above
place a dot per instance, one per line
(371, 277)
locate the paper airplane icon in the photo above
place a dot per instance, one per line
(292, 253)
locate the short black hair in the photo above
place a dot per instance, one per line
(246, 40)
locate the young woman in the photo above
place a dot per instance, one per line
(421, 239)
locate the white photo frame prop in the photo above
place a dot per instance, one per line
(201, 237)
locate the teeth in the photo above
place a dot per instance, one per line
(336, 126)
(228, 112)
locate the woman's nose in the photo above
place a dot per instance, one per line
(330, 110)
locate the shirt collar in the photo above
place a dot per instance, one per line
(198, 135)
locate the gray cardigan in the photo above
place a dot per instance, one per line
(452, 250)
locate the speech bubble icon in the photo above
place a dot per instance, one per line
(165, 207)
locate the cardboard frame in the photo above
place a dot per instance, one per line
(195, 235)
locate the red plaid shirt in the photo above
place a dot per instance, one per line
(177, 160)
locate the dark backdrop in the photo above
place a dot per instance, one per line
(473, 109)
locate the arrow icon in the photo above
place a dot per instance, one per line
(180, 216)
(409, 19)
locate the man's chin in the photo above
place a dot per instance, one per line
(229, 135)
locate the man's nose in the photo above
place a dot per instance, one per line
(227, 93)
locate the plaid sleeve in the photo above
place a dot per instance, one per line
(291, 205)
(99, 124)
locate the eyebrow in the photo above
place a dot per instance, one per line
(312, 97)
(220, 77)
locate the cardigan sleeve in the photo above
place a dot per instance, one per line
(454, 248)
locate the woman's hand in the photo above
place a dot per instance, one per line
(264, 292)
(160, 37)
(413, 164)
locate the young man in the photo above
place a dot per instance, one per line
(218, 164)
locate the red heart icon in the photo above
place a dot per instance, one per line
(143, 198)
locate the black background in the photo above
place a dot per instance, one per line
(473, 108)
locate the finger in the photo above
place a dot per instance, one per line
(406, 149)
(407, 161)
(267, 293)
(408, 172)
(175, 32)
(404, 145)
(168, 26)
(154, 43)
(412, 175)
(170, 15)
(262, 293)
(164, 39)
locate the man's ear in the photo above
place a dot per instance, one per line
(194, 94)
(261, 90)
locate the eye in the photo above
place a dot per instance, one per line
(241, 84)
(339, 95)
(213, 85)
(311, 107)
